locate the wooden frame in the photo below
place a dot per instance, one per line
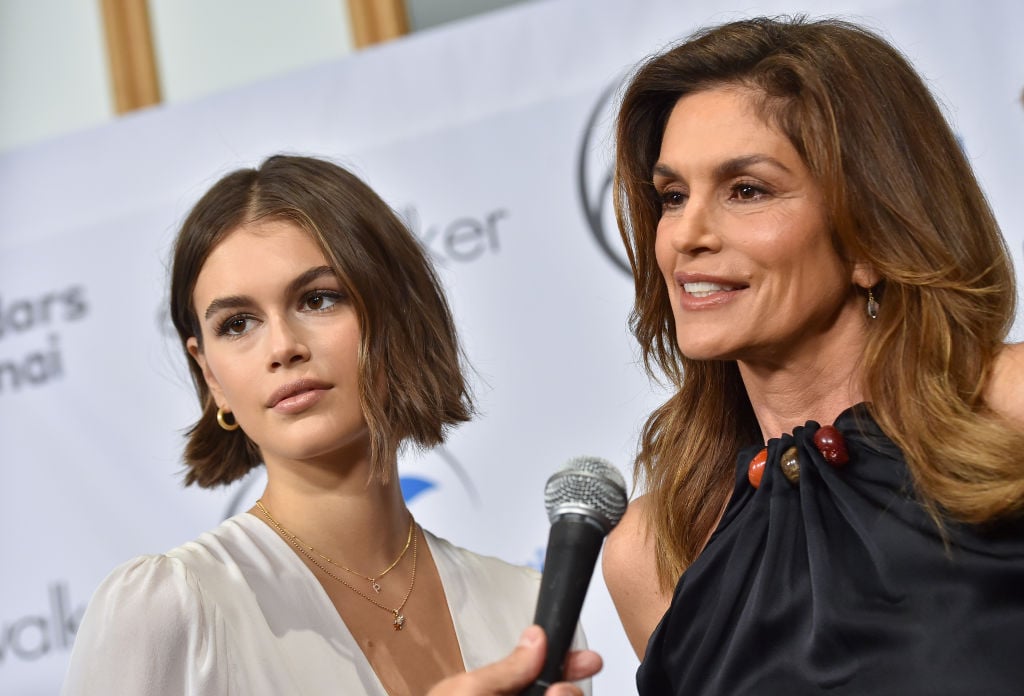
(130, 54)
(375, 21)
(132, 58)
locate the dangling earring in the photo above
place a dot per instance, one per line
(222, 421)
(872, 305)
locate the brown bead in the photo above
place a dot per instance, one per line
(790, 465)
(756, 470)
(832, 445)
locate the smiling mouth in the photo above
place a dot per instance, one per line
(705, 289)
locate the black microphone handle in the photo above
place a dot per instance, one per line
(573, 546)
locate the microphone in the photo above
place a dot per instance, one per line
(584, 500)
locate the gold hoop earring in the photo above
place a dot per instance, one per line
(223, 422)
(872, 306)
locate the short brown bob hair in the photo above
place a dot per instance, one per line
(411, 381)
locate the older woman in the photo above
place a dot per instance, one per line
(836, 482)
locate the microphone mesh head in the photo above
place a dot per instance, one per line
(588, 486)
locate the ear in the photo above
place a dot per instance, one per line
(192, 344)
(864, 275)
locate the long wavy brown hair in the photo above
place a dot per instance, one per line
(411, 381)
(902, 197)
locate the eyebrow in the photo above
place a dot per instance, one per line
(727, 168)
(236, 301)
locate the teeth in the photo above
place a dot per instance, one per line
(703, 289)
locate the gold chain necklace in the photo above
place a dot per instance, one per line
(399, 619)
(374, 581)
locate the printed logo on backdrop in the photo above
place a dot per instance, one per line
(426, 473)
(30, 336)
(594, 178)
(464, 239)
(44, 629)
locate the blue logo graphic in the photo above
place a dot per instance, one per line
(413, 485)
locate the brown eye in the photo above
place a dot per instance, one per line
(672, 198)
(747, 192)
(321, 300)
(236, 325)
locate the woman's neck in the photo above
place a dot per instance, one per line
(342, 511)
(818, 385)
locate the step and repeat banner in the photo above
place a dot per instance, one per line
(491, 138)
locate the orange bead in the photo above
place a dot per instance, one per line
(756, 470)
(832, 445)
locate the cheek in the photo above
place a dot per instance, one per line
(232, 375)
(664, 254)
(814, 275)
(342, 345)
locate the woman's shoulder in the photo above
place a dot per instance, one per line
(629, 541)
(165, 582)
(1004, 392)
(143, 578)
(171, 580)
(143, 622)
(631, 574)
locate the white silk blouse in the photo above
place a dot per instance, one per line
(237, 612)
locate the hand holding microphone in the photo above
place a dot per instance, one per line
(584, 501)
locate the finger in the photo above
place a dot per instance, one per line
(581, 664)
(563, 689)
(510, 675)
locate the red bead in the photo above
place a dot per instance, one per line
(756, 470)
(831, 444)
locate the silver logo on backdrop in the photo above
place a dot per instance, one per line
(594, 177)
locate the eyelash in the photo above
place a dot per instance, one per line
(334, 295)
(754, 192)
(757, 190)
(664, 197)
(224, 328)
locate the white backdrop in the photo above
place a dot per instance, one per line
(478, 134)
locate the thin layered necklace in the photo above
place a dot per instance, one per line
(398, 619)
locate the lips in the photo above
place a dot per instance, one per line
(704, 284)
(297, 392)
(705, 288)
(702, 291)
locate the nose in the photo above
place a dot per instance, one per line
(690, 229)
(286, 344)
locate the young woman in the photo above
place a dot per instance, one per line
(319, 342)
(833, 493)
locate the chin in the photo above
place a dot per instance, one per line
(703, 350)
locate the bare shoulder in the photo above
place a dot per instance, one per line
(1005, 389)
(631, 575)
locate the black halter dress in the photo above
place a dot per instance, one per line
(840, 583)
